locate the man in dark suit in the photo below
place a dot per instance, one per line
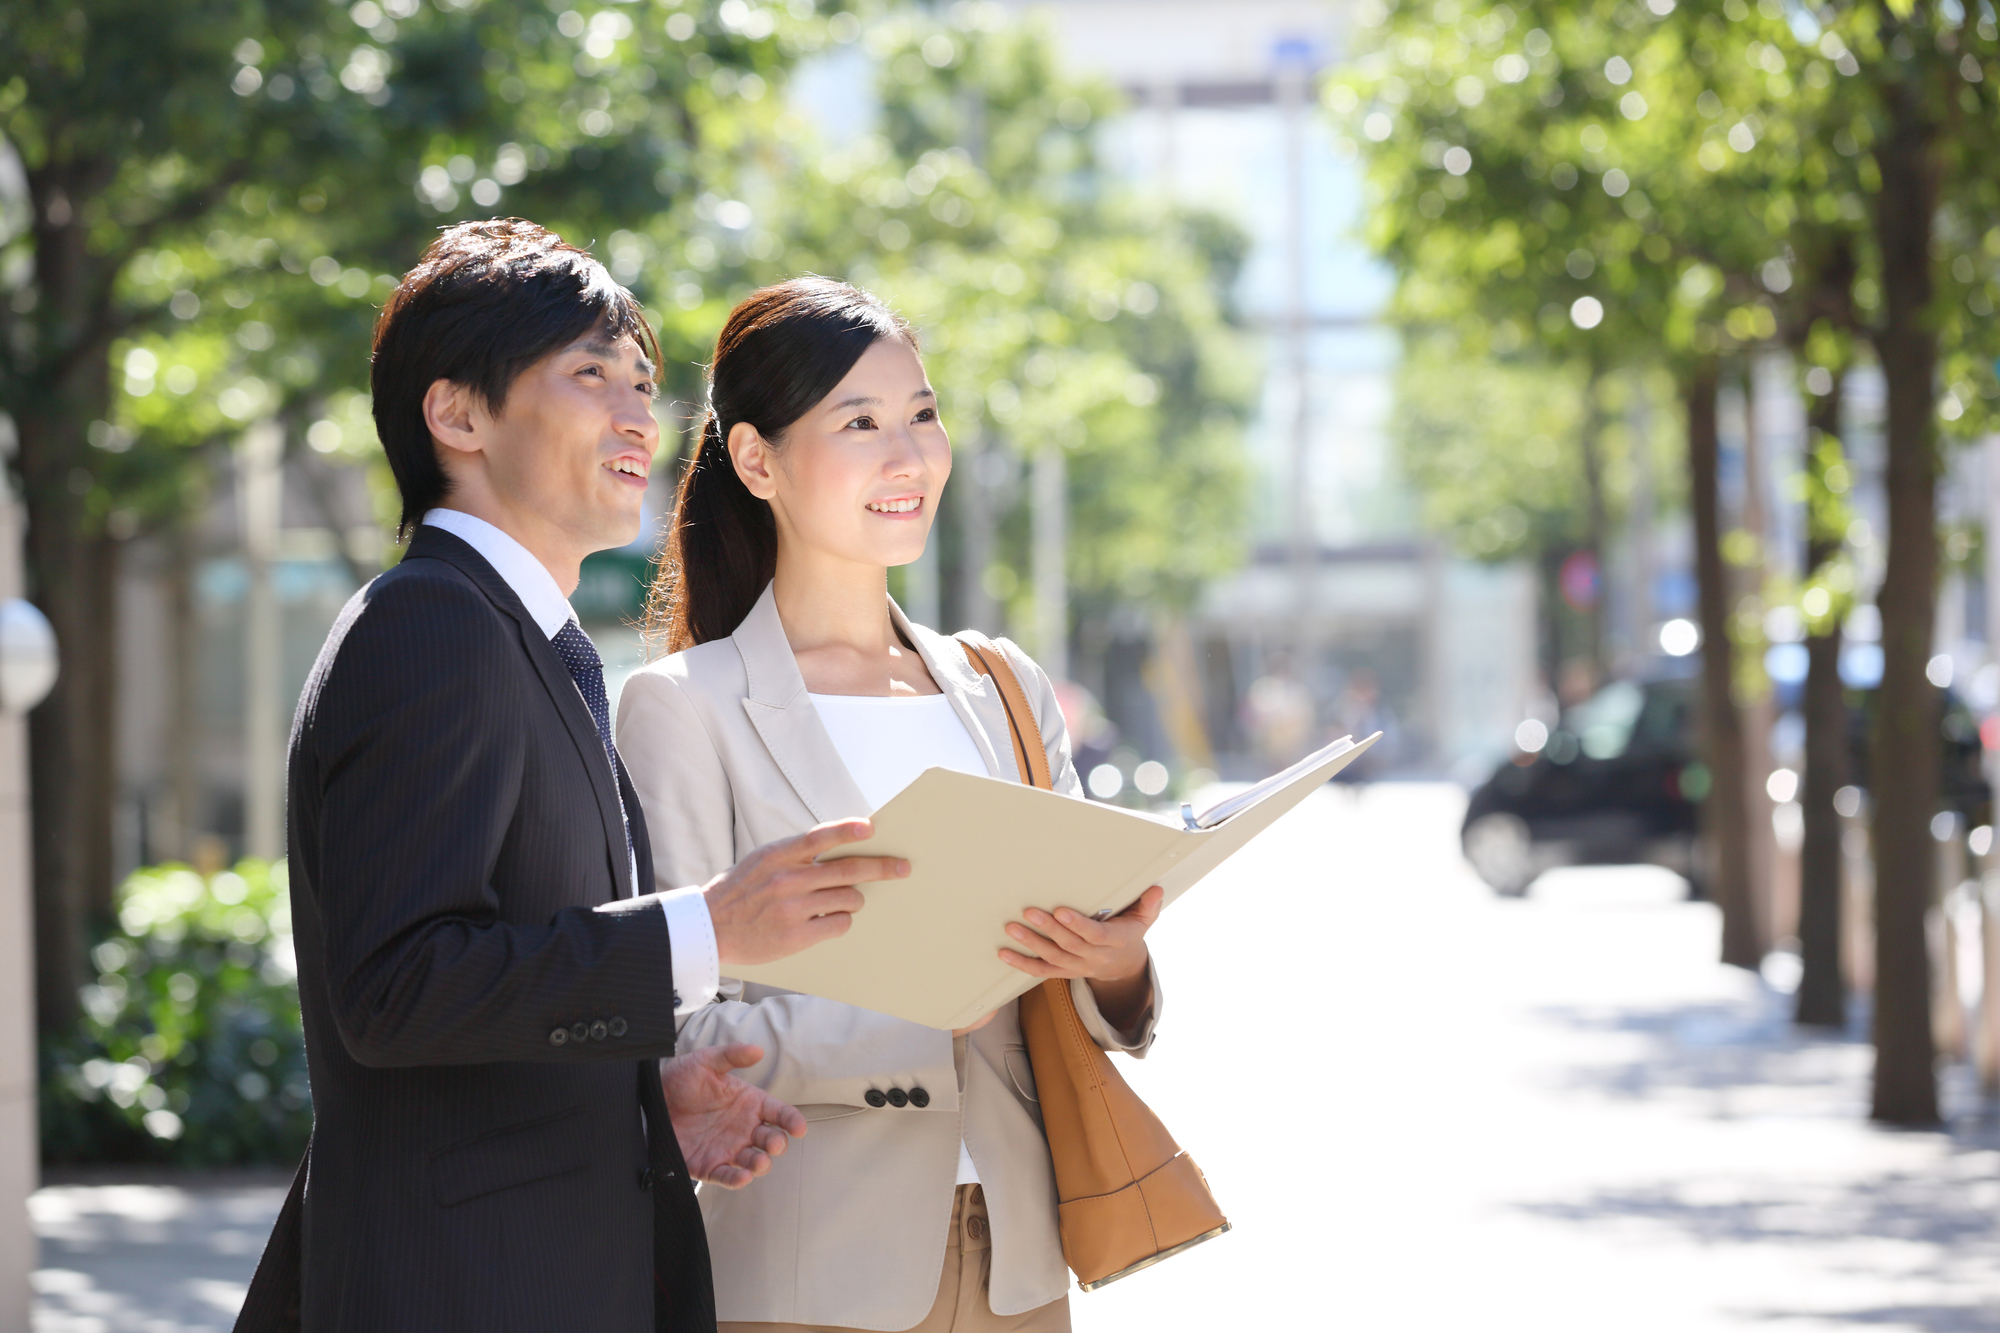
(488, 976)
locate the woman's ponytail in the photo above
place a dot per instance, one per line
(780, 352)
(722, 548)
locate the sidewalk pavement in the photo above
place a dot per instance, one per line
(1424, 1108)
(151, 1253)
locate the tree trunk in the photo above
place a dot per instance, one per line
(1822, 995)
(72, 754)
(95, 645)
(1724, 823)
(1755, 703)
(1591, 444)
(1903, 769)
(68, 734)
(57, 729)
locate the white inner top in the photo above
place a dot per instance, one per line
(887, 743)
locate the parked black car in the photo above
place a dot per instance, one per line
(1619, 781)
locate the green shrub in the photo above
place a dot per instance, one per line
(189, 1051)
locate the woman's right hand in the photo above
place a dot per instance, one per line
(960, 1032)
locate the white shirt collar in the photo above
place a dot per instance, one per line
(528, 577)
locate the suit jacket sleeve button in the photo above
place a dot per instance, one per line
(898, 1098)
(919, 1098)
(579, 1032)
(874, 1097)
(599, 1030)
(618, 1028)
(559, 1036)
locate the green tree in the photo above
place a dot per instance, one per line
(1751, 152)
(218, 196)
(1538, 178)
(1057, 313)
(1932, 120)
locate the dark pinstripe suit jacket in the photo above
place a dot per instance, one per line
(462, 907)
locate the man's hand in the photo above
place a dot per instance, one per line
(729, 1130)
(779, 900)
(1111, 955)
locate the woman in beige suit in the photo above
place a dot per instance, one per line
(797, 693)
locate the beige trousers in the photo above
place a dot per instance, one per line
(961, 1305)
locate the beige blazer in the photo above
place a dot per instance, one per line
(848, 1229)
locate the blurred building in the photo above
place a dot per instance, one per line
(1346, 614)
(219, 627)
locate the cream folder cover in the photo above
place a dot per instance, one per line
(983, 850)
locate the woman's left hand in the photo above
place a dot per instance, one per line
(1066, 943)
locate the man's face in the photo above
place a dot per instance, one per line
(569, 454)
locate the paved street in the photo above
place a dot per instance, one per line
(149, 1257)
(1424, 1109)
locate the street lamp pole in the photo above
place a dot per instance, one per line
(27, 670)
(1293, 84)
(1050, 516)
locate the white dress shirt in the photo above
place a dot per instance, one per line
(697, 965)
(887, 743)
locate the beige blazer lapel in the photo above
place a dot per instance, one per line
(976, 699)
(779, 708)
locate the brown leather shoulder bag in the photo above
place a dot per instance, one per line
(1126, 1195)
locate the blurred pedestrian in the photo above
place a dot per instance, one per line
(1576, 682)
(797, 692)
(1358, 712)
(1092, 735)
(1279, 715)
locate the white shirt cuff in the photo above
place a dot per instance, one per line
(691, 935)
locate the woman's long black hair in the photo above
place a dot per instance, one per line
(783, 349)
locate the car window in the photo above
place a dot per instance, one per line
(1667, 721)
(1604, 724)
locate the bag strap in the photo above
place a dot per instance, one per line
(1031, 757)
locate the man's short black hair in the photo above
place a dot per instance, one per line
(486, 301)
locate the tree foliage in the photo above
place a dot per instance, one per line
(1680, 182)
(1057, 312)
(213, 200)
(190, 1049)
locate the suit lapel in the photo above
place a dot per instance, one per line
(778, 706)
(437, 544)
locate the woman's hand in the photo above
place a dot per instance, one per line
(967, 1031)
(1111, 955)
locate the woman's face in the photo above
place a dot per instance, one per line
(858, 476)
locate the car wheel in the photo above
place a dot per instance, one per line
(1500, 850)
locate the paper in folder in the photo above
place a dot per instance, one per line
(982, 850)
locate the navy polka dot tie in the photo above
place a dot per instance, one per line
(586, 668)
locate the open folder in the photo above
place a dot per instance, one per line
(982, 850)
